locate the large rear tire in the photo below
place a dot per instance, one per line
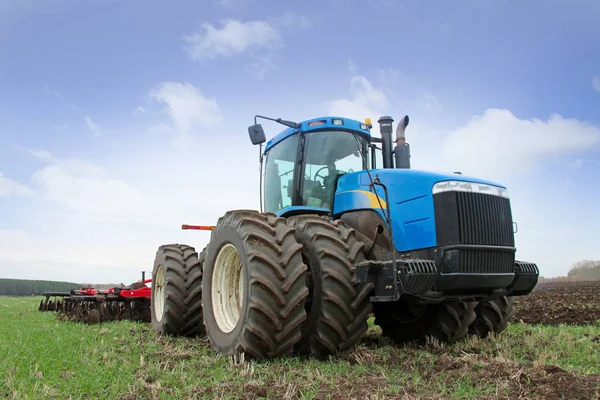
(255, 288)
(492, 316)
(176, 305)
(338, 306)
(404, 321)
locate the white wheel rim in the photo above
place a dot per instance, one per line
(159, 293)
(227, 292)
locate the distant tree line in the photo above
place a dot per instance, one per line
(585, 270)
(22, 287)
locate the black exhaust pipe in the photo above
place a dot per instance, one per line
(385, 127)
(402, 149)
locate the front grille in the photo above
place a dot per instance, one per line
(484, 219)
(486, 261)
(473, 218)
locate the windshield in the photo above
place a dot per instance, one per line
(329, 155)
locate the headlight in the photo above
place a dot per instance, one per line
(461, 186)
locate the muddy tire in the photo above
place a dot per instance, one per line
(492, 316)
(254, 287)
(403, 321)
(338, 306)
(176, 300)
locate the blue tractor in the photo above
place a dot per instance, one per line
(338, 240)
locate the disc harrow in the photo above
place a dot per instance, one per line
(92, 305)
(56, 304)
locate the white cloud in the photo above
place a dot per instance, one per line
(187, 107)
(43, 155)
(102, 224)
(262, 65)
(596, 82)
(232, 39)
(366, 101)
(82, 186)
(499, 143)
(258, 40)
(92, 126)
(9, 187)
(139, 110)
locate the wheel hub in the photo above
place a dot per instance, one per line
(159, 293)
(227, 292)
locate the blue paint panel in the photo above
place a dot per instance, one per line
(301, 210)
(351, 200)
(416, 225)
(410, 201)
(348, 124)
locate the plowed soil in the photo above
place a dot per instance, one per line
(554, 303)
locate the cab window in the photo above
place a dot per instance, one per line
(279, 174)
(328, 155)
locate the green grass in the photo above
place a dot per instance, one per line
(44, 358)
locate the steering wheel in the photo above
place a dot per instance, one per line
(321, 176)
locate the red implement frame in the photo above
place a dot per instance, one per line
(197, 227)
(143, 292)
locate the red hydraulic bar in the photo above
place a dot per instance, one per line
(198, 227)
(143, 292)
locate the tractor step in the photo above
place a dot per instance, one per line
(409, 277)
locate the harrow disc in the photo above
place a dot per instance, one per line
(50, 305)
(102, 308)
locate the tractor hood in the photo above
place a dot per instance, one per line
(409, 199)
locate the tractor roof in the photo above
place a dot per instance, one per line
(322, 124)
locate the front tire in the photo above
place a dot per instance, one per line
(176, 307)
(254, 286)
(403, 321)
(492, 316)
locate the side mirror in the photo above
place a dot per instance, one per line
(257, 134)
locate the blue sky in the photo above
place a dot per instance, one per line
(122, 119)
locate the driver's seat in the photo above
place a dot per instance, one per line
(330, 183)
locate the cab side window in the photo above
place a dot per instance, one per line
(279, 174)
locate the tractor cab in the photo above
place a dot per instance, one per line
(303, 163)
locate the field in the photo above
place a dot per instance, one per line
(554, 303)
(44, 358)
